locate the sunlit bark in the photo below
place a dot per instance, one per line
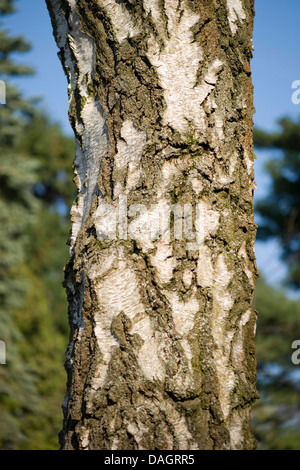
(161, 352)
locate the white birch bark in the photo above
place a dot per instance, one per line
(161, 352)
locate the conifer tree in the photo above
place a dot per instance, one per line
(280, 209)
(17, 209)
(34, 197)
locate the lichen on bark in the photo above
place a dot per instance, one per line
(161, 352)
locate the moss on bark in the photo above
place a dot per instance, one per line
(204, 378)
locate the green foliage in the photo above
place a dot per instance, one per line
(44, 140)
(278, 324)
(35, 192)
(6, 7)
(280, 210)
(276, 416)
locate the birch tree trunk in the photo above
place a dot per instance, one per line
(161, 352)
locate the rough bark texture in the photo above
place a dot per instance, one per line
(161, 352)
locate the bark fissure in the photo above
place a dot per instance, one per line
(161, 351)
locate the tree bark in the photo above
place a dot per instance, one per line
(161, 352)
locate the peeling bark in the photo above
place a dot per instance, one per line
(161, 352)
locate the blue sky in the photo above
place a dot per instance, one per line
(276, 64)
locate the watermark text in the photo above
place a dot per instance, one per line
(296, 93)
(2, 353)
(2, 92)
(296, 354)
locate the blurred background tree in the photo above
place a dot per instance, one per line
(276, 416)
(35, 192)
(280, 210)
